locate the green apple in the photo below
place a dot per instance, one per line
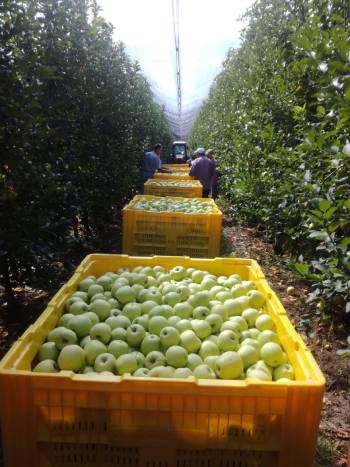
(204, 372)
(249, 355)
(112, 322)
(83, 295)
(120, 321)
(98, 296)
(210, 361)
(92, 317)
(233, 307)
(250, 315)
(115, 312)
(85, 284)
(252, 342)
(230, 282)
(138, 289)
(95, 289)
(243, 325)
(201, 312)
(87, 369)
(137, 269)
(108, 295)
(101, 332)
(190, 341)
(201, 298)
(132, 310)
(229, 365)
(156, 324)
(78, 307)
(92, 349)
(102, 309)
(135, 334)
(193, 289)
(221, 280)
(262, 366)
(140, 358)
(208, 349)
(183, 310)
(119, 334)
(114, 303)
(141, 372)
(251, 333)
(147, 306)
(161, 310)
(169, 336)
(117, 348)
(154, 359)
(171, 298)
(178, 273)
(208, 283)
(142, 321)
(215, 322)
(80, 324)
(230, 326)
(183, 325)
(46, 366)
(264, 322)
(197, 276)
(255, 372)
(105, 362)
(125, 294)
(84, 341)
(193, 360)
(126, 363)
(184, 292)
(158, 269)
(139, 279)
(223, 296)
(256, 299)
(176, 356)
(201, 328)
(48, 351)
(267, 336)
(272, 354)
(212, 338)
(284, 371)
(71, 357)
(148, 271)
(161, 372)
(63, 321)
(219, 309)
(173, 320)
(150, 343)
(62, 336)
(105, 281)
(238, 290)
(215, 290)
(228, 340)
(151, 294)
(182, 373)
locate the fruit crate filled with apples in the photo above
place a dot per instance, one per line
(172, 176)
(161, 360)
(177, 167)
(171, 226)
(183, 188)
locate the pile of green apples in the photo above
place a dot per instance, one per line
(166, 204)
(150, 322)
(182, 183)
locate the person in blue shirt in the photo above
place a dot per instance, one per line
(152, 163)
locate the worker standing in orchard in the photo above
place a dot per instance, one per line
(152, 163)
(203, 170)
(215, 179)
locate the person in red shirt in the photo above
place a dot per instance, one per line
(203, 170)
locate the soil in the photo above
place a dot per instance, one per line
(323, 335)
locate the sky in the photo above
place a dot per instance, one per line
(208, 28)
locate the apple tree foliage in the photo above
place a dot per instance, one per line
(76, 116)
(279, 116)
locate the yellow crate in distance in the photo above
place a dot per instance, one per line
(53, 420)
(173, 176)
(171, 233)
(177, 167)
(193, 188)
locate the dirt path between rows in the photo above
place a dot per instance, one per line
(323, 339)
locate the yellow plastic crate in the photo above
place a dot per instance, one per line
(171, 233)
(178, 167)
(68, 419)
(173, 176)
(195, 190)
